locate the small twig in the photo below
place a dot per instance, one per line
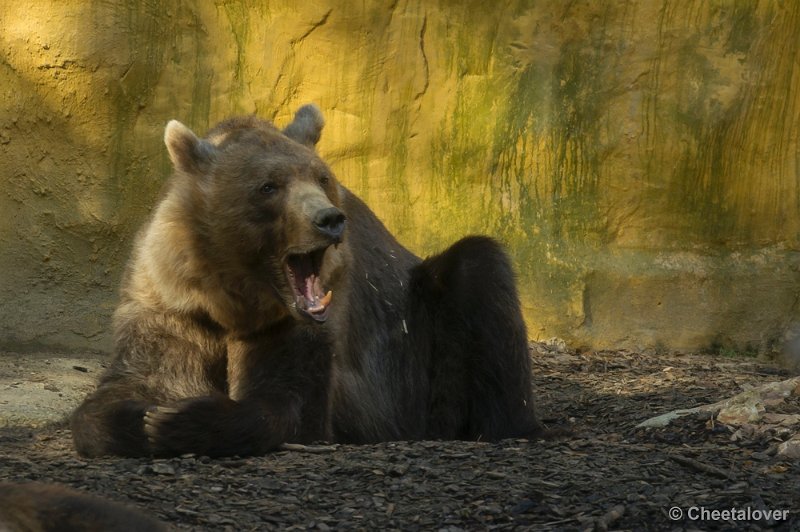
(300, 448)
(559, 522)
(545, 483)
(700, 466)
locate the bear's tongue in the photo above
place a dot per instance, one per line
(309, 293)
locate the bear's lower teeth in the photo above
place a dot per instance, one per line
(321, 304)
(303, 274)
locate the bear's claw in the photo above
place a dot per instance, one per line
(153, 418)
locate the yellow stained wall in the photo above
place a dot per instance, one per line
(639, 159)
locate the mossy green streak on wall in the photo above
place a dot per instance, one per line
(733, 109)
(639, 159)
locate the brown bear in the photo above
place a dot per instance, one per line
(265, 303)
(33, 507)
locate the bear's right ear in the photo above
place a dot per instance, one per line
(188, 152)
(306, 127)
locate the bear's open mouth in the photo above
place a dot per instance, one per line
(303, 272)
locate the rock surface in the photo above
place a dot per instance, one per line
(638, 158)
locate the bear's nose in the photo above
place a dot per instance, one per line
(330, 222)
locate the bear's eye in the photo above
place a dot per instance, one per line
(324, 180)
(268, 188)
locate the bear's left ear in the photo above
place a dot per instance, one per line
(188, 153)
(306, 126)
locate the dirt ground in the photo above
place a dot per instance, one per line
(608, 475)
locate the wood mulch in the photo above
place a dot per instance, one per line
(608, 475)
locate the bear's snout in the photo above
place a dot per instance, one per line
(330, 222)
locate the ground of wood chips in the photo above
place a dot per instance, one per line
(606, 475)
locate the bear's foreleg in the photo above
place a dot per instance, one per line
(161, 359)
(277, 392)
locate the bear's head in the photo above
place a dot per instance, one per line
(265, 210)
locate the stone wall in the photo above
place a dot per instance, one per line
(640, 159)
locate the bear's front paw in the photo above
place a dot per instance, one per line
(189, 426)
